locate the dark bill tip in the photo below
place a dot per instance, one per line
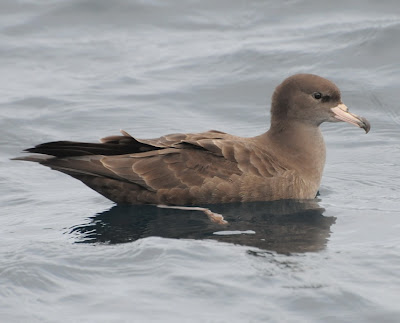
(365, 124)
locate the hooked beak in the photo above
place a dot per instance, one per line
(342, 113)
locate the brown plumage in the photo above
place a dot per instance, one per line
(286, 162)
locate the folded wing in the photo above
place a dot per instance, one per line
(173, 169)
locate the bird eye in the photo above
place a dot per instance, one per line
(317, 95)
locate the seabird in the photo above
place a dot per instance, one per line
(286, 162)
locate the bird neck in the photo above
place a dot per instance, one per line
(299, 146)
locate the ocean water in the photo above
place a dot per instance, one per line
(83, 69)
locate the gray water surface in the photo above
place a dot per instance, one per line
(82, 70)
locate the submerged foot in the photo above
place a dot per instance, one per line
(214, 217)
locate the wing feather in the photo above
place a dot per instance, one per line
(206, 167)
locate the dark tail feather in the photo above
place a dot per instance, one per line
(71, 148)
(34, 158)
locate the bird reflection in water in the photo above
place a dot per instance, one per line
(286, 226)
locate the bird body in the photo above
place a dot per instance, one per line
(286, 162)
